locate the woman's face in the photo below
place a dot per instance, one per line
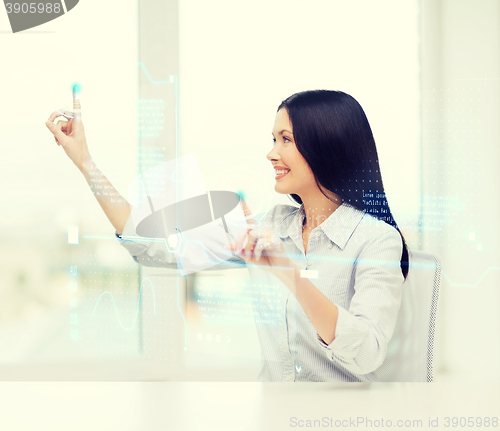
(292, 173)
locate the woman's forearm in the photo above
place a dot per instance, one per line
(116, 208)
(322, 313)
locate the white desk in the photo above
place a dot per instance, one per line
(234, 406)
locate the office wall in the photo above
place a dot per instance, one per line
(43, 192)
(460, 64)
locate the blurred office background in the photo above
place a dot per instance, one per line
(173, 78)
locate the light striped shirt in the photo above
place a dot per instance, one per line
(353, 258)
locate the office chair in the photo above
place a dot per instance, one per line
(410, 350)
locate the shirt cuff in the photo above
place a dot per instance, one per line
(130, 240)
(350, 333)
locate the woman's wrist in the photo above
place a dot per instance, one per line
(87, 166)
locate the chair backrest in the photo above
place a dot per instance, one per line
(410, 350)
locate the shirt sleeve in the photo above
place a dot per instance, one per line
(363, 332)
(155, 253)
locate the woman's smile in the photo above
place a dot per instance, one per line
(280, 172)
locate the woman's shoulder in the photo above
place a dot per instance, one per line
(375, 228)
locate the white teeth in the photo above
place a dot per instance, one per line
(280, 172)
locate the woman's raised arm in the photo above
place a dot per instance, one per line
(70, 135)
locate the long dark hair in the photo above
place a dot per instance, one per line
(333, 135)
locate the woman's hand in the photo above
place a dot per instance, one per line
(261, 246)
(70, 135)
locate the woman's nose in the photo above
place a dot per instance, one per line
(272, 155)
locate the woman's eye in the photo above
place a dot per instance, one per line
(285, 139)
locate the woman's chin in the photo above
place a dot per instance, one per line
(282, 190)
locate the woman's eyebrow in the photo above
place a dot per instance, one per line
(284, 130)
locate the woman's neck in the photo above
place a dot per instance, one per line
(318, 208)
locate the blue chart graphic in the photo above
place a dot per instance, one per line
(471, 285)
(172, 80)
(128, 328)
(150, 78)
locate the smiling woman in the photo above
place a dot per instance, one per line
(330, 273)
(332, 138)
(325, 157)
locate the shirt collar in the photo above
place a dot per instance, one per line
(338, 227)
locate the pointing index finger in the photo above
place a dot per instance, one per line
(77, 110)
(246, 210)
(76, 104)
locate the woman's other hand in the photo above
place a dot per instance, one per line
(260, 246)
(70, 135)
